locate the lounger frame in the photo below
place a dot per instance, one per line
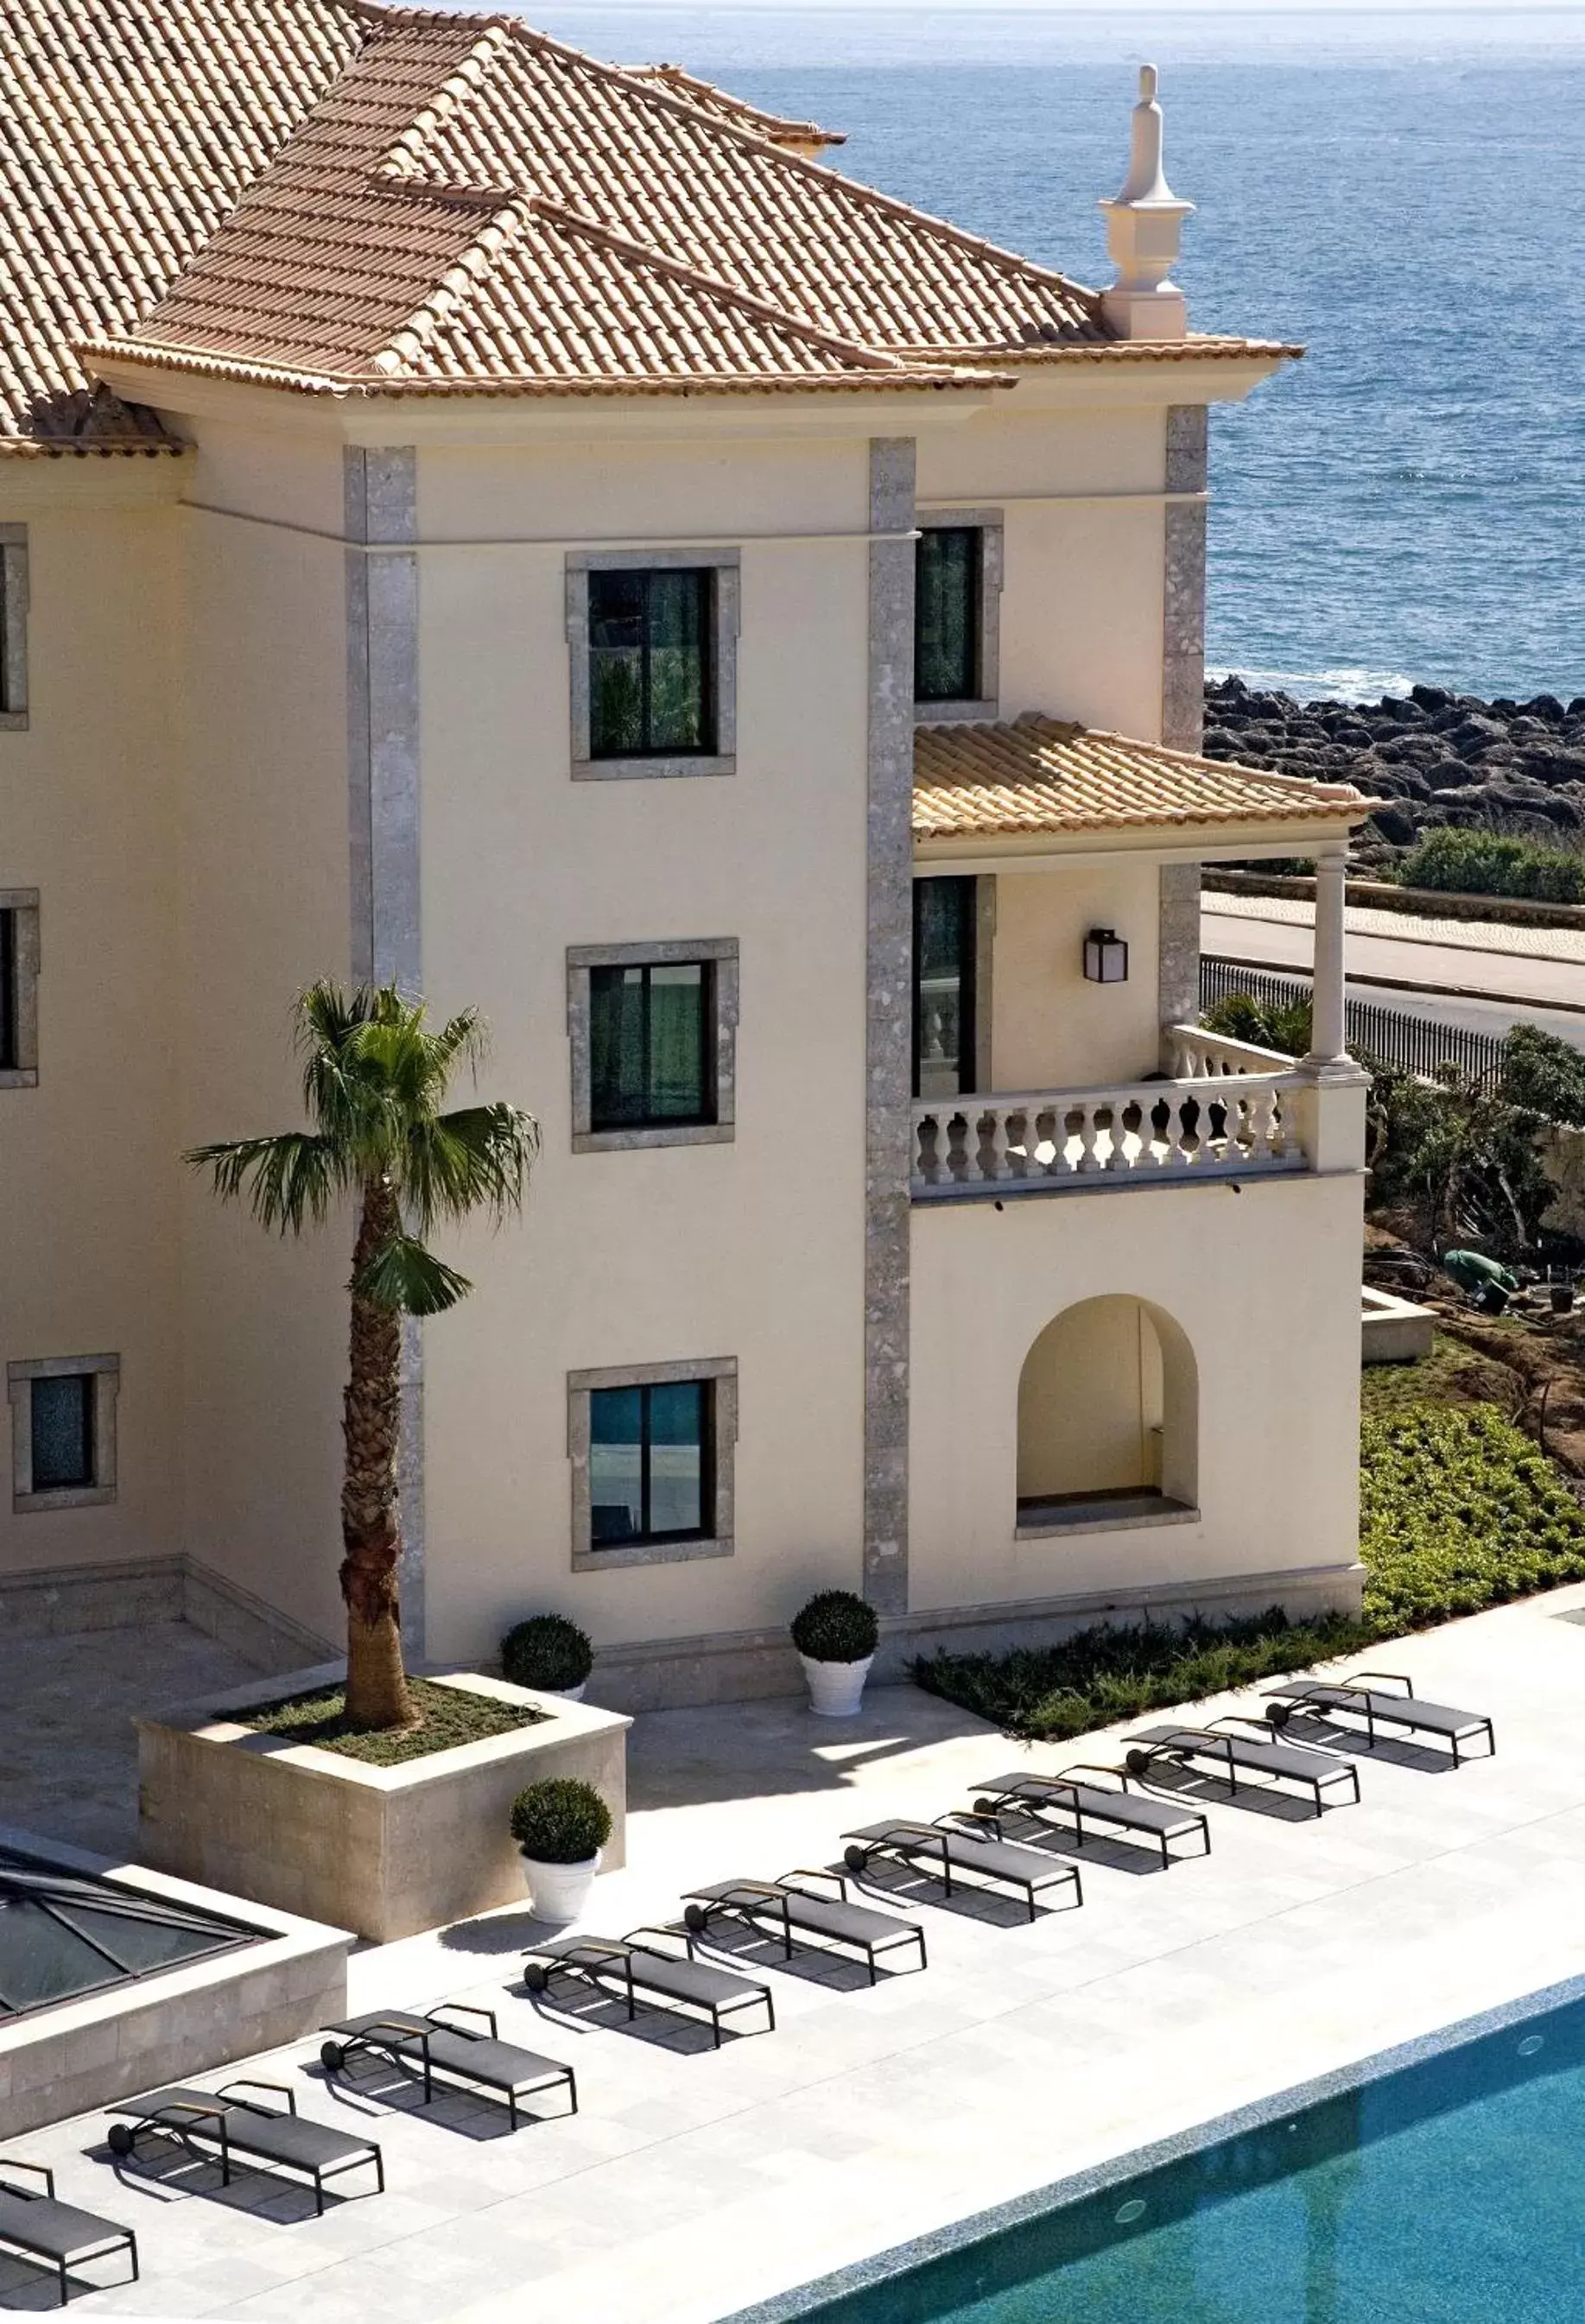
(768, 1900)
(123, 2137)
(401, 2033)
(116, 2239)
(996, 1804)
(541, 1968)
(912, 1846)
(1371, 1709)
(1200, 1743)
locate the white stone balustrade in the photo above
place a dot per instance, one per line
(1192, 1054)
(1222, 1121)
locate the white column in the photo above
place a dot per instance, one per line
(1327, 1043)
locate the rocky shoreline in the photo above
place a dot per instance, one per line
(1434, 757)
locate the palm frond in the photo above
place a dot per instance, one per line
(475, 1158)
(405, 1278)
(284, 1179)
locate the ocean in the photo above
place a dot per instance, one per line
(1403, 191)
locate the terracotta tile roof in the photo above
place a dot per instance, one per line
(132, 129)
(1042, 775)
(775, 130)
(335, 195)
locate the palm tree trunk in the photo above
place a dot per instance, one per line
(376, 1683)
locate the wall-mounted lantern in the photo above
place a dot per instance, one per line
(1106, 957)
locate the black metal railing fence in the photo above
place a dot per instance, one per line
(1416, 1044)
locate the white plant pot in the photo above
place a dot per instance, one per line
(558, 1891)
(836, 1689)
(568, 1693)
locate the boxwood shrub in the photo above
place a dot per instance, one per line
(836, 1626)
(546, 1651)
(562, 1821)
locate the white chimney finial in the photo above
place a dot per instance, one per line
(1144, 224)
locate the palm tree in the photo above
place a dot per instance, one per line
(375, 1080)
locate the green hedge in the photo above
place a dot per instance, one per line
(1490, 863)
(1458, 1510)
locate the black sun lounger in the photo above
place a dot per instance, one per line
(33, 2223)
(1231, 1755)
(1063, 1799)
(462, 2054)
(945, 1848)
(218, 2125)
(642, 1972)
(1361, 1697)
(783, 1909)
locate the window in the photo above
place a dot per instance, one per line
(649, 1463)
(649, 656)
(653, 1035)
(946, 934)
(63, 1431)
(649, 1046)
(652, 1454)
(14, 615)
(946, 615)
(957, 592)
(18, 974)
(653, 637)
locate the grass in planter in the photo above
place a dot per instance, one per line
(447, 1718)
(1458, 1511)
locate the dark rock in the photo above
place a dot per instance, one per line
(1447, 774)
(1548, 707)
(1472, 736)
(1431, 697)
(1395, 823)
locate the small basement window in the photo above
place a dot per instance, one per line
(63, 1432)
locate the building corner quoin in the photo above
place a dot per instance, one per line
(889, 1023)
(379, 500)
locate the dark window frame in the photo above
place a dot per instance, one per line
(647, 1537)
(646, 576)
(83, 1479)
(930, 538)
(10, 1044)
(708, 1116)
(968, 902)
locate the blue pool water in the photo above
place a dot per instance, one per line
(1451, 2191)
(1399, 189)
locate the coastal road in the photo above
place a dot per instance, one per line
(1451, 985)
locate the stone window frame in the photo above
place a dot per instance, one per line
(722, 1372)
(726, 564)
(722, 953)
(23, 903)
(19, 1388)
(990, 524)
(14, 626)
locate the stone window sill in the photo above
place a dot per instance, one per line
(617, 770)
(652, 1553)
(19, 1077)
(627, 1141)
(68, 1496)
(956, 714)
(1136, 1521)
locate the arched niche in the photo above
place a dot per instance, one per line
(1108, 1414)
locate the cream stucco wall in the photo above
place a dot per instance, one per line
(1264, 1284)
(1050, 1028)
(88, 816)
(1090, 1402)
(751, 1249)
(265, 910)
(1081, 624)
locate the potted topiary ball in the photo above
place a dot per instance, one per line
(561, 1825)
(550, 1653)
(837, 1635)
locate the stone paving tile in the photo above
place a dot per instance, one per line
(694, 2182)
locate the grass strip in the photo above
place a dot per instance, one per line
(447, 1718)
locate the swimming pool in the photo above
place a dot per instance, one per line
(1441, 2184)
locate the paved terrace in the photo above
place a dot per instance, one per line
(693, 2183)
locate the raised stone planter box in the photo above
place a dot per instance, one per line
(1394, 1331)
(388, 1852)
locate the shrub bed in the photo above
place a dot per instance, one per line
(1458, 1510)
(1461, 862)
(448, 1717)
